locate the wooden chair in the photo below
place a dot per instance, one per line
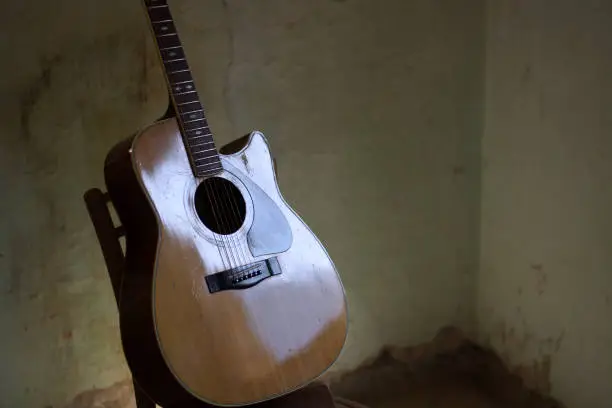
(109, 235)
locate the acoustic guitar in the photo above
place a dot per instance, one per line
(228, 298)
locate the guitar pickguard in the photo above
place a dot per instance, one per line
(270, 232)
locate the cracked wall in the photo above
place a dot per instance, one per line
(546, 226)
(373, 114)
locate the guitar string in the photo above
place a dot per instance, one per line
(244, 247)
(226, 226)
(219, 247)
(235, 221)
(225, 248)
(236, 213)
(231, 236)
(223, 223)
(239, 221)
(219, 219)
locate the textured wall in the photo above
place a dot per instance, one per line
(545, 287)
(374, 116)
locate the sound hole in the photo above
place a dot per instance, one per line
(220, 205)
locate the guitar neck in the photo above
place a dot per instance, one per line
(197, 136)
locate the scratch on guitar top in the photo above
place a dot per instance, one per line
(195, 290)
(245, 161)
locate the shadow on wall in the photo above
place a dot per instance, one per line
(450, 371)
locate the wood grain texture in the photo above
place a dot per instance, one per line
(234, 347)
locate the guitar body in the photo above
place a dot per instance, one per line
(228, 314)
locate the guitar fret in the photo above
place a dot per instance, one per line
(187, 125)
(175, 60)
(193, 116)
(195, 120)
(170, 48)
(183, 89)
(172, 67)
(209, 158)
(175, 72)
(205, 150)
(198, 137)
(181, 77)
(207, 164)
(179, 83)
(193, 111)
(199, 133)
(190, 107)
(200, 144)
(159, 13)
(195, 152)
(175, 54)
(168, 41)
(209, 170)
(194, 105)
(207, 135)
(166, 28)
(199, 160)
(201, 147)
(166, 35)
(202, 164)
(181, 100)
(160, 6)
(184, 93)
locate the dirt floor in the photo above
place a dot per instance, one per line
(450, 372)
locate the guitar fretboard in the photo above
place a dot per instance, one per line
(197, 136)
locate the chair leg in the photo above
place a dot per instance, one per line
(142, 400)
(108, 236)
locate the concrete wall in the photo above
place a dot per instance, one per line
(373, 113)
(545, 287)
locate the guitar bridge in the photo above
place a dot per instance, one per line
(243, 277)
